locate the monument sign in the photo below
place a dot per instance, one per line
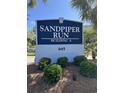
(58, 38)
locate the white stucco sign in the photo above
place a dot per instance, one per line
(58, 38)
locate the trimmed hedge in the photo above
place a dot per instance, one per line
(43, 62)
(88, 69)
(79, 59)
(52, 73)
(62, 61)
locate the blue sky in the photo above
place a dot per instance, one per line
(53, 9)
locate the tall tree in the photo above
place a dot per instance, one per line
(87, 9)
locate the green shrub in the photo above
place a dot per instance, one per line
(52, 73)
(88, 69)
(43, 62)
(62, 61)
(79, 59)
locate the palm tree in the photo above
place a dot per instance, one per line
(33, 3)
(87, 9)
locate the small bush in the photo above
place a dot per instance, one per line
(43, 62)
(52, 73)
(62, 61)
(88, 69)
(79, 59)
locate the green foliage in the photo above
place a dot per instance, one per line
(79, 59)
(52, 73)
(30, 54)
(62, 61)
(90, 40)
(87, 10)
(88, 69)
(43, 62)
(31, 39)
(33, 3)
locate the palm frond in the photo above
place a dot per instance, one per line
(32, 3)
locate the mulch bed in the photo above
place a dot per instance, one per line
(81, 84)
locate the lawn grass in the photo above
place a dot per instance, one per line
(30, 54)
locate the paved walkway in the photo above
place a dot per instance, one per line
(30, 59)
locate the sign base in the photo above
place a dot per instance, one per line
(56, 51)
